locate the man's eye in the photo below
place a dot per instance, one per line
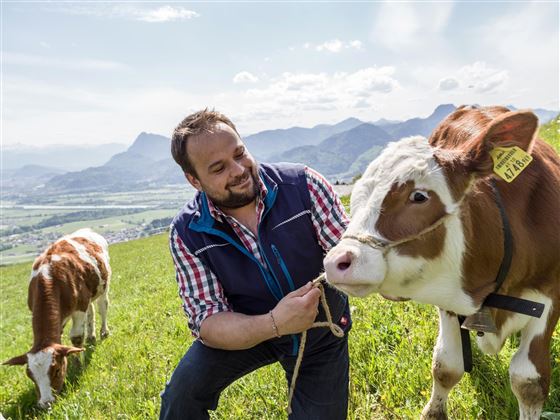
(218, 170)
(240, 155)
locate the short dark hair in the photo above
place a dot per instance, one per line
(193, 125)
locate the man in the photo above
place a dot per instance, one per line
(245, 250)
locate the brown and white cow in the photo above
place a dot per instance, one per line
(65, 280)
(425, 226)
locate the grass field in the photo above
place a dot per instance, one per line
(551, 133)
(390, 346)
(122, 376)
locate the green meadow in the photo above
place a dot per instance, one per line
(121, 377)
(551, 133)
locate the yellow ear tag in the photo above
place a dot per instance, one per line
(510, 161)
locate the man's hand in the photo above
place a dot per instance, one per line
(235, 331)
(297, 310)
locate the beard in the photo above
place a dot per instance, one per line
(235, 200)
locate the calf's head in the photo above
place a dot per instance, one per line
(47, 369)
(405, 231)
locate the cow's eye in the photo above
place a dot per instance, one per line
(419, 196)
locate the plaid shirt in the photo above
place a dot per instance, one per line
(200, 289)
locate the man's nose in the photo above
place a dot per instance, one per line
(237, 169)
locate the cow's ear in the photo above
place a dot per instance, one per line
(18, 360)
(510, 129)
(68, 350)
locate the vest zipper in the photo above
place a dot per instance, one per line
(270, 270)
(283, 266)
(294, 337)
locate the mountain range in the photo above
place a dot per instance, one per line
(339, 151)
(60, 156)
(268, 143)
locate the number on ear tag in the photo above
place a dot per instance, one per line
(510, 161)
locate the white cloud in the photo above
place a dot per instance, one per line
(531, 55)
(334, 45)
(45, 45)
(298, 92)
(131, 12)
(357, 44)
(58, 63)
(361, 103)
(481, 78)
(399, 26)
(370, 80)
(245, 77)
(448, 83)
(166, 14)
(478, 78)
(301, 81)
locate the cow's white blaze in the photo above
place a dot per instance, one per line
(436, 281)
(39, 364)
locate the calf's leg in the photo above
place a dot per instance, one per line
(102, 306)
(447, 366)
(529, 370)
(78, 328)
(91, 323)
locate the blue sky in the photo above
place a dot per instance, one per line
(100, 72)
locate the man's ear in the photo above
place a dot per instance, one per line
(510, 129)
(18, 360)
(193, 180)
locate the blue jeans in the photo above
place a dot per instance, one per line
(321, 391)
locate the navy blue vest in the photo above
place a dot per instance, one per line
(286, 238)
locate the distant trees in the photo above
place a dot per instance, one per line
(158, 224)
(78, 216)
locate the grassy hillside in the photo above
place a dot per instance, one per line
(551, 133)
(390, 345)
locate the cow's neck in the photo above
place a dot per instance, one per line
(483, 233)
(46, 319)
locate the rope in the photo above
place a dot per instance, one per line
(335, 329)
(375, 243)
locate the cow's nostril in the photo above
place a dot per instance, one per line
(343, 266)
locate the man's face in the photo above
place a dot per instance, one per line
(225, 170)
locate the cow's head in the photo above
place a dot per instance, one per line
(47, 369)
(405, 233)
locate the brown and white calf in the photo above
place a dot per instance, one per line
(65, 280)
(425, 226)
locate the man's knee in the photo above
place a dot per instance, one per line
(193, 378)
